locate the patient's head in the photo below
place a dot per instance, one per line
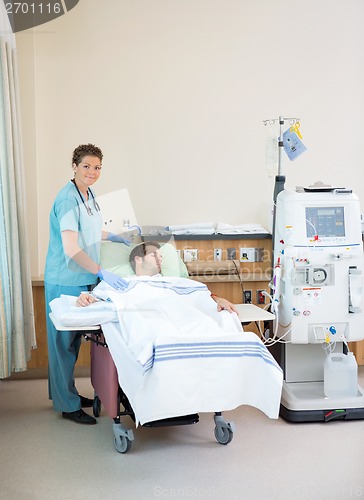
(146, 259)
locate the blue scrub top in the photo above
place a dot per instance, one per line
(69, 213)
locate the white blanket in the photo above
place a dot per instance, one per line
(69, 315)
(201, 377)
(198, 228)
(223, 228)
(160, 307)
(176, 355)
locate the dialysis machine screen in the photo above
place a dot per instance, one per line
(325, 222)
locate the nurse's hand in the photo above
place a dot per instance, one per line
(112, 279)
(117, 238)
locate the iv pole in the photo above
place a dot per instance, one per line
(280, 179)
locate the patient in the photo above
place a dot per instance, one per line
(146, 260)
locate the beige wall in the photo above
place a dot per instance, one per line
(175, 92)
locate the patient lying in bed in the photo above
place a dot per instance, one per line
(146, 260)
(183, 354)
(151, 304)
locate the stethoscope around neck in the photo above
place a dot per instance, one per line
(90, 193)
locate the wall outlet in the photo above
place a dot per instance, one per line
(231, 253)
(247, 296)
(190, 255)
(260, 297)
(251, 254)
(217, 253)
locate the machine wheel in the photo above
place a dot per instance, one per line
(122, 444)
(223, 435)
(96, 406)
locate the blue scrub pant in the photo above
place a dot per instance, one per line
(63, 349)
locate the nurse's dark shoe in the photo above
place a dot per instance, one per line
(80, 417)
(86, 402)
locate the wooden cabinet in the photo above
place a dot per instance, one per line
(358, 349)
(39, 358)
(253, 276)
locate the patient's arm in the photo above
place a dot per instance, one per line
(85, 299)
(224, 304)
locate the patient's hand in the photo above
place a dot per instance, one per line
(225, 305)
(85, 299)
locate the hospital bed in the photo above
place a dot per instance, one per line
(172, 378)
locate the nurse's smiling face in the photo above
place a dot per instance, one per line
(87, 172)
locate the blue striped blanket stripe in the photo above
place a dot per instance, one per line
(180, 290)
(195, 350)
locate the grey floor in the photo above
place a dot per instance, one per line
(43, 456)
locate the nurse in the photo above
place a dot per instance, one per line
(72, 266)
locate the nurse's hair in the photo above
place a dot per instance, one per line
(86, 150)
(141, 251)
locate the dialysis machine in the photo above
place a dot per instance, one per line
(317, 296)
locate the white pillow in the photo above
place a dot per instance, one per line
(115, 258)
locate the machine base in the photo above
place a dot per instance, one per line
(306, 402)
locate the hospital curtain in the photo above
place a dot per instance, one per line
(17, 332)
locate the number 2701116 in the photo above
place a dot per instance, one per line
(33, 8)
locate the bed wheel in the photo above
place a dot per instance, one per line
(122, 437)
(96, 406)
(122, 444)
(223, 435)
(224, 431)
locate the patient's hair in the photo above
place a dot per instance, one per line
(141, 251)
(86, 150)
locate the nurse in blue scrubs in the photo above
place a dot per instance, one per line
(72, 266)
